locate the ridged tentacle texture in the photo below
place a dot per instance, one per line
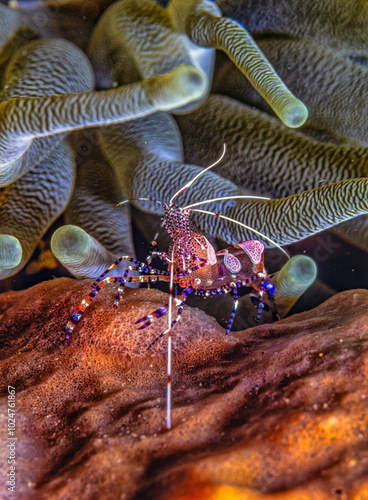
(31, 204)
(75, 111)
(146, 167)
(262, 155)
(94, 208)
(208, 30)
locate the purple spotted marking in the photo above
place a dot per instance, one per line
(211, 254)
(253, 248)
(232, 263)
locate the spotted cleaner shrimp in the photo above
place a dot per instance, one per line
(192, 265)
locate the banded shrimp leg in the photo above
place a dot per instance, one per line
(152, 276)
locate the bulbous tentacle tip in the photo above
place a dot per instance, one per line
(296, 275)
(81, 254)
(71, 244)
(292, 281)
(303, 270)
(294, 114)
(182, 85)
(10, 251)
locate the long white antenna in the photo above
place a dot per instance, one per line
(243, 225)
(169, 314)
(137, 199)
(247, 197)
(188, 184)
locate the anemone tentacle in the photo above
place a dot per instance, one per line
(207, 30)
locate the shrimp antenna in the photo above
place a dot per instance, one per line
(248, 197)
(243, 225)
(136, 199)
(188, 184)
(169, 342)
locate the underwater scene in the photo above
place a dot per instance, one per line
(184, 249)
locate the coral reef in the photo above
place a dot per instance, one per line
(246, 409)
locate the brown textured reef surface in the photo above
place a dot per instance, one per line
(275, 412)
